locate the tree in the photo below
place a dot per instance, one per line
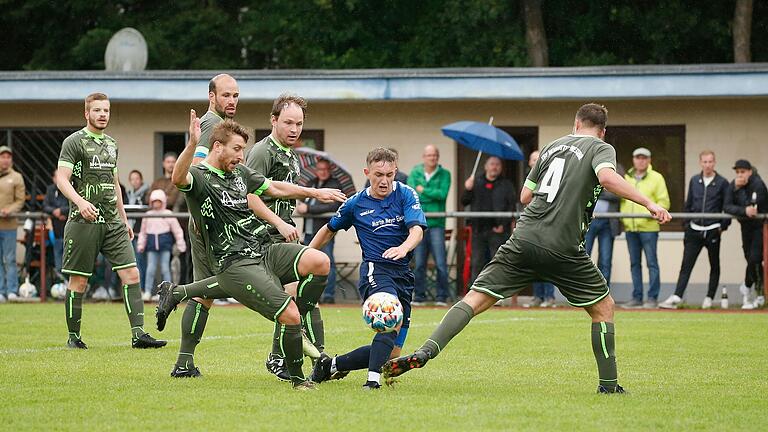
(742, 31)
(535, 35)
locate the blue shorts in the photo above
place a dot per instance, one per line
(389, 278)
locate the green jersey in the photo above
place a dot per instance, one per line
(218, 202)
(207, 122)
(565, 189)
(275, 162)
(93, 161)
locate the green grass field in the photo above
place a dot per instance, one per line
(510, 369)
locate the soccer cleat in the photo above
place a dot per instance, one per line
(371, 385)
(339, 375)
(165, 303)
(182, 372)
(310, 350)
(398, 366)
(603, 390)
(322, 370)
(672, 302)
(146, 341)
(76, 343)
(306, 385)
(276, 365)
(707, 303)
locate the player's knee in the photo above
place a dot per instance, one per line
(207, 303)
(129, 276)
(290, 315)
(77, 283)
(315, 262)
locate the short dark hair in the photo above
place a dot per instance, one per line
(224, 130)
(286, 99)
(170, 154)
(380, 154)
(593, 115)
(137, 172)
(94, 97)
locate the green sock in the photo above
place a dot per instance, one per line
(74, 311)
(290, 346)
(192, 326)
(206, 288)
(603, 347)
(134, 307)
(452, 324)
(308, 292)
(313, 323)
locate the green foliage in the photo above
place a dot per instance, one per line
(509, 370)
(341, 34)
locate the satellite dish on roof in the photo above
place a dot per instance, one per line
(126, 51)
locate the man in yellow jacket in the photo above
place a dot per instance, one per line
(643, 234)
(12, 193)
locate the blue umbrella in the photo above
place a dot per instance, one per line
(485, 138)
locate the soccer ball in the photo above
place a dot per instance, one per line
(382, 312)
(59, 290)
(27, 290)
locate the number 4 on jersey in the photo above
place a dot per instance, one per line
(551, 182)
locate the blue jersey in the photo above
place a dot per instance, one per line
(381, 223)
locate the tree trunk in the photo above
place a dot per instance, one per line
(535, 36)
(742, 31)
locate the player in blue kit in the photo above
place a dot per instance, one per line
(389, 222)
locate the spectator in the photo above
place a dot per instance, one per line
(706, 194)
(12, 194)
(164, 183)
(431, 181)
(156, 238)
(543, 292)
(313, 225)
(56, 205)
(746, 197)
(400, 176)
(136, 196)
(604, 230)
(643, 234)
(490, 192)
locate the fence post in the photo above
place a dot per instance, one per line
(765, 256)
(43, 253)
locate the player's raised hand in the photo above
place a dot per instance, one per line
(395, 253)
(659, 213)
(289, 232)
(328, 195)
(194, 128)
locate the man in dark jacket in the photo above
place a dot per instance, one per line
(313, 225)
(56, 205)
(488, 192)
(706, 194)
(747, 196)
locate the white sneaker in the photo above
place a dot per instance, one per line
(101, 293)
(221, 302)
(672, 302)
(146, 296)
(748, 306)
(744, 289)
(707, 303)
(2, 299)
(232, 300)
(760, 301)
(155, 298)
(12, 297)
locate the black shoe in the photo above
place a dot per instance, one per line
(147, 341)
(182, 372)
(276, 366)
(401, 365)
(322, 370)
(603, 390)
(166, 304)
(76, 343)
(371, 385)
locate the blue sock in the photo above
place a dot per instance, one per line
(354, 360)
(381, 348)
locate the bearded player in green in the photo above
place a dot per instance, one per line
(548, 244)
(87, 176)
(248, 267)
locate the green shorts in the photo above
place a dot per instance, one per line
(518, 263)
(83, 242)
(201, 263)
(282, 259)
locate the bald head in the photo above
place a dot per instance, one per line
(430, 156)
(223, 95)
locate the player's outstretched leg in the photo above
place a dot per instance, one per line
(170, 295)
(603, 345)
(452, 324)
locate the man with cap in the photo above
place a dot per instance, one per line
(12, 193)
(746, 197)
(643, 234)
(706, 194)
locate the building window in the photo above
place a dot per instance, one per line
(667, 146)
